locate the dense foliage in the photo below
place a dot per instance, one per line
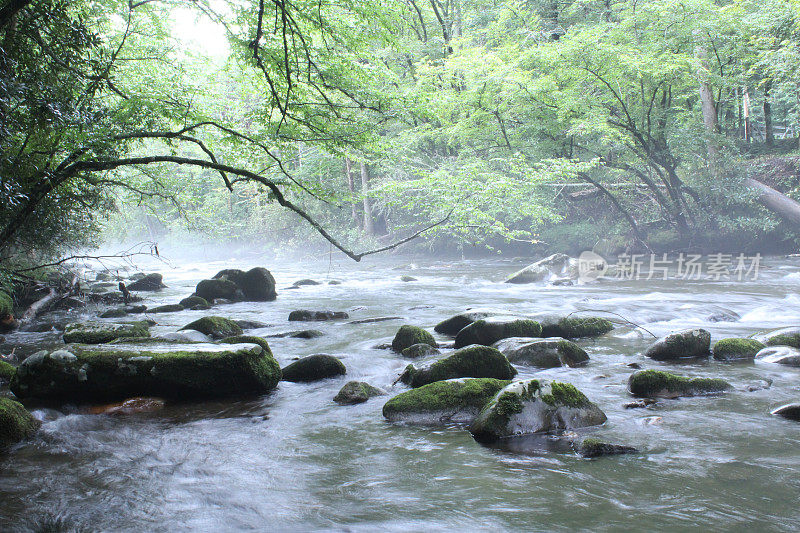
(487, 122)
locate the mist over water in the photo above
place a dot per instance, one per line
(295, 460)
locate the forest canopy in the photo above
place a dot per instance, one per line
(536, 124)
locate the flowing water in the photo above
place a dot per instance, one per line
(295, 460)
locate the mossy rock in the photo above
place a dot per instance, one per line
(115, 313)
(488, 331)
(470, 362)
(551, 352)
(313, 368)
(452, 401)
(535, 406)
(577, 327)
(356, 392)
(102, 332)
(116, 372)
(255, 285)
(7, 370)
(683, 344)
(660, 384)
(216, 327)
(16, 423)
(193, 301)
(151, 282)
(212, 289)
(248, 339)
(304, 315)
(780, 337)
(169, 308)
(415, 351)
(734, 349)
(456, 323)
(591, 447)
(299, 334)
(408, 336)
(305, 282)
(6, 305)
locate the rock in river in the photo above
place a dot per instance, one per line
(214, 289)
(554, 266)
(117, 372)
(415, 351)
(456, 323)
(313, 368)
(489, 330)
(680, 345)
(660, 384)
(151, 282)
(790, 411)
(255, 285)
(780, 337)
(574, 327)
(551, 352)
(191, 302)
(408, 336)
(782, 355)
(356, 392)
(734, 349)
(592, 447)
(16, 423)
(470, 362)
(216, 327)
(169, 308)
(453, 401)
(101, 332)
(248, 339)
(304, 315)
(535, 406)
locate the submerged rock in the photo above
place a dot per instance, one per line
(660, 384)
(304, 315)
(453, 401)
(214, 289)
(723, 315)
(456, 323)
(574, 327)
(150, 282)
(683, 344)
(415, 351)
(169, 308)
(313, 368)
(101, 332)
(114, 313)
(216, 327)
(592, 447)
(551, 352)
(408, 336)
(790, 411)
(248, 339)
(251, 324)
(782, 355)
(375, 319)
(356, 392)
(129, 407)
(305, 282)
(554, 266)
(299, 334)
(16, 423)
(470, 362)
(734, 349)
(535, 406)
(780, 337)
(191, 302)
(407, 278)
(185, 336)
(488, 331)
(116, 372)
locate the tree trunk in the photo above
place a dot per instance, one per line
(369, 227)
(351, 187)
(776, 201)
(770, 134)
(710, 119)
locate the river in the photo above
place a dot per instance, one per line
(293, 460)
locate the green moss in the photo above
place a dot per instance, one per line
(215, 326)
(508, 404)
(410, 335)
(681, 344)
(6, 305)
(169, 308)
(102, 332)
(659, 383)
(734, 348)
(16, 423)
(445, 395)
(488, 331)
(251, 339)
(356, 392)
(99, 373)
(575, 327)
(7, 370)
(114, 313)
(194, 301)
(565, 394)
(470, 362)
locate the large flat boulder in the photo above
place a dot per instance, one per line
(102, 332)
(118, 371)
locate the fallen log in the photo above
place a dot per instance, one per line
(775, 201)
